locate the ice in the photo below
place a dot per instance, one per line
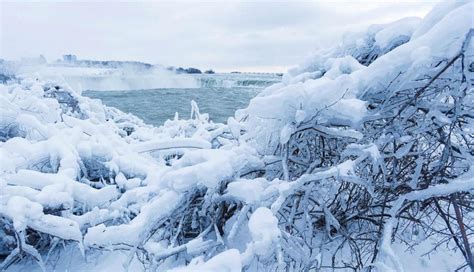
(249, 191)
(286, 133)
(81, 192)
(396, 32)
(210, 167)
(228, 261)
(336, 67)
(338, 101)
(21, 210)
(174, 143)
(436, 15)
(25, 213)
(300, 116)
(234, 127)
(319, 170)
(263, 226)
(136, 230)
(388, 260)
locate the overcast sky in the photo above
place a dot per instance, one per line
(225, 36)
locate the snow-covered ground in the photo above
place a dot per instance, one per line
(361, 155)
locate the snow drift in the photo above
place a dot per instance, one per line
(363, 152)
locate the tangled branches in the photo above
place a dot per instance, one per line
(419, 138)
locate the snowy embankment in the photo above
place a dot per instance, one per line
(361, 153)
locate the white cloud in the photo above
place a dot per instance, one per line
(220, 35)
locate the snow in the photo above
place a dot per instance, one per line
(156, 209)
(80, 161)
(26, 213)
(286, 133)
(300, 116)
(227, 261)
(396, 31)
(193, 195)
(249, 191)
(234, 127)
(335, 96)
(210, 167)
(388, 260)
(263, 226)
(416, 260)
(439, 12)
(174, 143)
(336, 67)
(80, 192)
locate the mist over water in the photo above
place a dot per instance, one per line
(81, 78)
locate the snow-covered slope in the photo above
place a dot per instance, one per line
(362, 153)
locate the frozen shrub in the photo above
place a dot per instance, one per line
(363, 152)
